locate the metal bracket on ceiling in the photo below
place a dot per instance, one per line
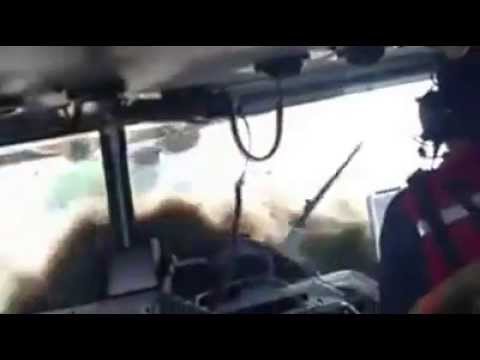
(361, 55)
(10, 104)
(283, 67)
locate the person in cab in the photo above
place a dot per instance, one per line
(430, 240)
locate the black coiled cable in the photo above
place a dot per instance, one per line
(278, 131)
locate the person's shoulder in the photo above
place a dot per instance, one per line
(398, 234)
(396, 218)
(396, 204)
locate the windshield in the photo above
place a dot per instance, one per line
(317, 139)
(48, 186)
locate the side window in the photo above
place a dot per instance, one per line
(159, 158)
(144, 157)
(44, 186)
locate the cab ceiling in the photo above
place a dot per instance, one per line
(37, 78)
(28, 69)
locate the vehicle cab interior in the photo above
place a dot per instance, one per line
(112, 156)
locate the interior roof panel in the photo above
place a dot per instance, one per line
(27, 69)
(30, 74)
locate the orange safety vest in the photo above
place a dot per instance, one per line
(444, 204)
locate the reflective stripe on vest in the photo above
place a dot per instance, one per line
(449, 215)
(463, 234)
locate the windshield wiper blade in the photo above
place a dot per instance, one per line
(311, 204)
